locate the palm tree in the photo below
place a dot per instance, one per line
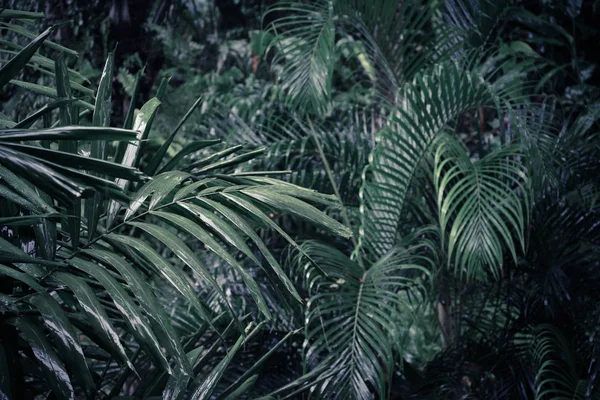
(92, 237)
(458, 229)
(455, 257)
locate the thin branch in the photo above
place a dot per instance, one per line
(332, 180)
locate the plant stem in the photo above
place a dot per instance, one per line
(331, 179)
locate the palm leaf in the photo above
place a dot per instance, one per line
(430, 103)
(351, 319)
(310, 32)
(480, 207)
(554, 362)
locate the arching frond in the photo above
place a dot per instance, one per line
(394, 35)
(430, 102)
(307, 43)
(351, 318)
(473, 21)
(480, 208)
(555, 364)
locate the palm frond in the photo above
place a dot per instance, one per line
(556, 374)
(430, 103)
(393, 33)
(480, 208)
(473, 21)
(308, 43)
(351, 318)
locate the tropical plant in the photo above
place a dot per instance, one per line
(457, 141)
(85, 241)
(479, 197)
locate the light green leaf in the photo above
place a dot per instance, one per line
(142, 124)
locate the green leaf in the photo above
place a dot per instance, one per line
(480, 204)
(429, 103)
(45, 63)
(136, 322)
(147, 300)
(74, 222)
(58, 323)
(174, 277)
(244, 382)
(306, 39)
(66, 133)
(22, 31)
(185, 193)
(46, 233)
(49, 362)
(101, 117)
(48, 91)
(143, 122)
(13, 197)
(128, 124)
(23, 277)
(255, 211)
(244, 388)
(71, 83)
(160, 154)
(213, 157)
(224, 230)
(47, 179)
(16, 64)
(24, 189)
(63, 183)
(229, 162)
(96, 315)
(177, 383)
(80, 162)
(25, 220)
(242, 225)
(209, 383)
(164, 83)
(7, 124)
(554, 363)
(202, 235)
(351, 318)
(188, 149)
(12, 254)
(290, 205)
(159, 187)
(14, 14)
(103, 106)
(66, 111)
(521, 47)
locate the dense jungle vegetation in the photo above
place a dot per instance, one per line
(300, 199)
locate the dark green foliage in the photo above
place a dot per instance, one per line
(354, 200)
